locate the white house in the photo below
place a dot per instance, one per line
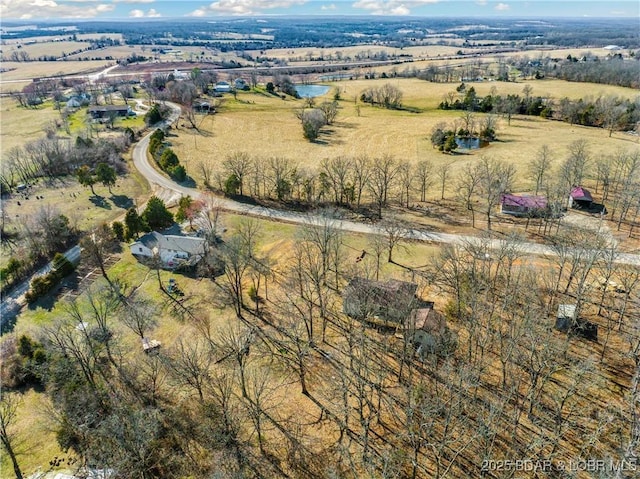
(222, 87)
(172, 250)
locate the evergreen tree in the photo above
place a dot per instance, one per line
(156, 214)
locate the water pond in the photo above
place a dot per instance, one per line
(470, 143)
(310, 91)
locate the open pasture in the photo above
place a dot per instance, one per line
(21, 125)
(51, 48)
(266, 126)
(29, 70)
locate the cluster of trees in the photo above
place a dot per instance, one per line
(313, 117)
(154, 216)
(37, 238)
(613, 71)
(387, 96)
(52, 157)
(166, 157)
(345, 181)
(103, 173)
(468, 126)
(609, 112)
(41, 285)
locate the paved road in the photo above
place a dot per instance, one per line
(159, 180)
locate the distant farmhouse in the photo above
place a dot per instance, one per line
(522, 205)
(99, 112)
(172, 250)
(222, 87)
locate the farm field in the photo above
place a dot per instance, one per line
(20, 125)
(266, 126)
(28, 70)
(54, 48)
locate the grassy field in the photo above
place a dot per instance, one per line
(20, 125)
(50, 48)
(265, 126)
(29, 70)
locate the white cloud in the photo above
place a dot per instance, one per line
(328, 7)
(243, 7)
(200, 12)
(502, 7)
(29, 9)
(481, 2)
(391, 7)
(140, 14)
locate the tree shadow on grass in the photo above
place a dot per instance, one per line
(122, 201)
(100, 202)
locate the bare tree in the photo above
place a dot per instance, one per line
(496, 177)
(9, 403)
(239, 164)
(384, 171)
(442, 173)
(405, 182)
(539, 168)
(190, 362)
(573, 169)
(468, 186)
(361, 172)
(424, 176)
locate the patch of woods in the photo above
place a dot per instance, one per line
(609, 112)
(367, 185)
(611, 70)
(285, 384)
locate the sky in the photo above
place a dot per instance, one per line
(132, 9)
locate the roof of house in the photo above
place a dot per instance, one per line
(187, 244)
(429, 320)
(567, 311)
(524, 201)
(392, 294)
(109, 108)
(581, 194)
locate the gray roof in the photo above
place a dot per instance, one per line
(188, 244)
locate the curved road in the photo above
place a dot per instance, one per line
(141, 162)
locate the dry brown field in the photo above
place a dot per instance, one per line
(20, 125)
(266, 126)
(55, 48)
(29, 70)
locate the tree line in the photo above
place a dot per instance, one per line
(609, 112)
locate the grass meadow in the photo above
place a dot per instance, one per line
(265, 126)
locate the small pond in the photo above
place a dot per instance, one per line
(310, 91)
(470, 143)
